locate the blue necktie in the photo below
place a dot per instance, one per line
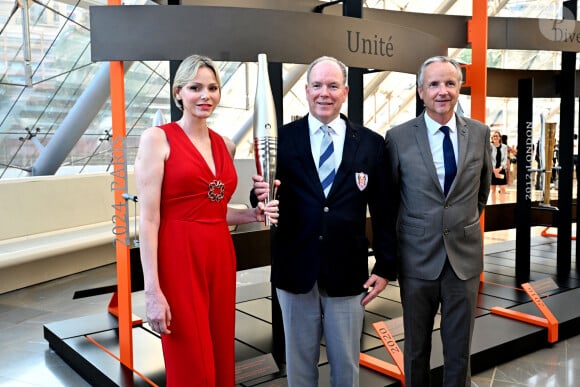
(326, 161)
(448, 159)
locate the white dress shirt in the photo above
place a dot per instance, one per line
(338, 133)
(436, 143)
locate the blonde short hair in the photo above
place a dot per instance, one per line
(187, 70)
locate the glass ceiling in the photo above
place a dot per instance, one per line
(37, 94)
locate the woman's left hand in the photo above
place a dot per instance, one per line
(270, 210)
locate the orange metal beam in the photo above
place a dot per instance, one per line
(477, 36)
(113, 309)
(482, 223)
(549, 321)
(476, 73)
(121, 227)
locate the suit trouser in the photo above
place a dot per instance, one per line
(306, 318)
(421, 300)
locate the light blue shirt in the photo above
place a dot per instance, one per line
(338, 133)
(436, 143)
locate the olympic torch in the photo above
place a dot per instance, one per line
(265, 128)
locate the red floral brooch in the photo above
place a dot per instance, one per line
(216, 191)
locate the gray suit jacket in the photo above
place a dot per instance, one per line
(428, 225)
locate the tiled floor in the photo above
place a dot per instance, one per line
(26, 360)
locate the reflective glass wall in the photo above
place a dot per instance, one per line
(45, 69)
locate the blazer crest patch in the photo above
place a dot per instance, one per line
(362, 179)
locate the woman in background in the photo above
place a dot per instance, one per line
(499, 154)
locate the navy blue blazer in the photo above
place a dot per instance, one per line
(324, 239)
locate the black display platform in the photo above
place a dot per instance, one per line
(496, 339)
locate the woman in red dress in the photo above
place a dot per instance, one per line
(185, 177)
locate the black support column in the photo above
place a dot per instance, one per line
(175, 112)
(566, 141)
(524, 184)
(173, 65)
(278, 343)
(419, 104)
(276, 84)
(353, 8)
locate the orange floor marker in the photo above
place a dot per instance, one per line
(545, 233)
(395, 371)
(102, 347)
(549, 321)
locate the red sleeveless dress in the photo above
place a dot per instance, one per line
(197, 263)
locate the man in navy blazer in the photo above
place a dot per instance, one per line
(319, 248)
(439, 236)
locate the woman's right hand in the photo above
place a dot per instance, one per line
(158, 312)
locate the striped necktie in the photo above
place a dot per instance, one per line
(448, 160)
(326, 161)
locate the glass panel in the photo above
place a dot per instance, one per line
(9, 95)
(62, 70)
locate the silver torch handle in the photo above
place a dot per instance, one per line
(265, 128)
